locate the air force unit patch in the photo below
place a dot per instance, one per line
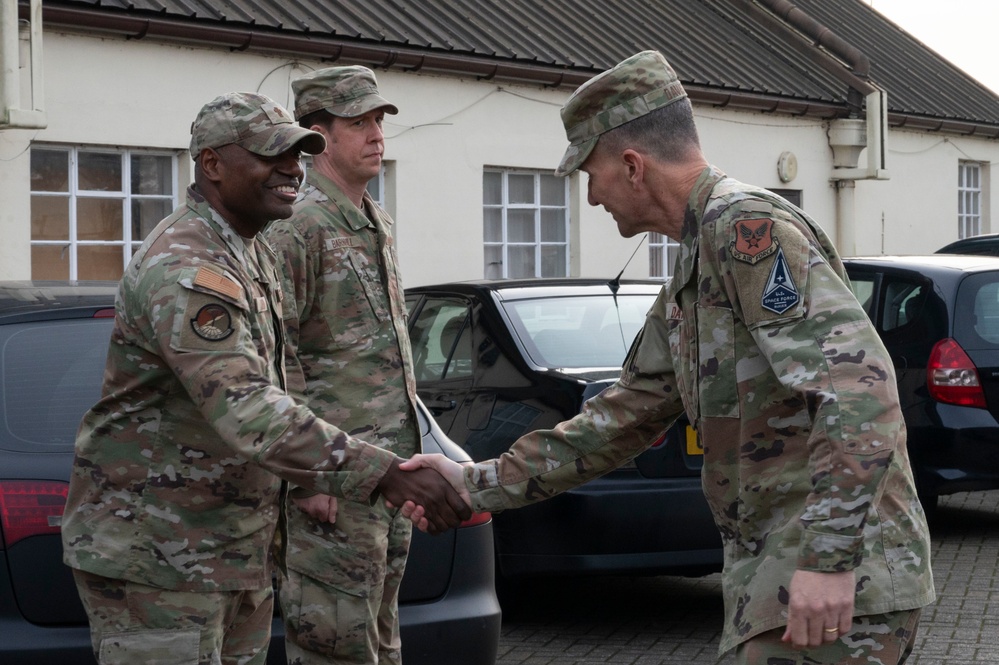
(780, 293)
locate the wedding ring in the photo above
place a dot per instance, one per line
(832, 630)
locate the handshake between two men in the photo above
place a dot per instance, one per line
(430, 490)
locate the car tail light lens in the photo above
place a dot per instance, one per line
(951, 376)
(476, 519)
(30, 508)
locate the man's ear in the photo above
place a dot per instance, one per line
(211, 164)
(634, 164)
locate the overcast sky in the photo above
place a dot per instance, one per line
(962, 31)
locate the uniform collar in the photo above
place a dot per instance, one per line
(204, 210)
(354, 215)
(686, 261)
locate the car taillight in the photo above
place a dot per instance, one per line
(106, 313)
(951, 376)
(476, 519)
(30, 508)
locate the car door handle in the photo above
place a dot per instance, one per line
(439, 406)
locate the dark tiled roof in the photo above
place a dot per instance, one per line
(718, 47)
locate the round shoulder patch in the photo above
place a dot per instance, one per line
(212, 322)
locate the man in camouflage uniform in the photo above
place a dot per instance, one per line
(348, 352)
(760, 340)
(173, 500)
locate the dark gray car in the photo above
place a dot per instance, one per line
(53, 344)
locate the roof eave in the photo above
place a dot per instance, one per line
(410, 59)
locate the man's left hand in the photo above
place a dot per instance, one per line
(820, 609)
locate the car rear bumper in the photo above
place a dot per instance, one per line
(958, 452)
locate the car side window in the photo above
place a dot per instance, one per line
(441, 338)
(863, 288)
(903, 302)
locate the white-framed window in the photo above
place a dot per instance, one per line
(662, 255)
(525, 224)
(969, 199)
(92, 207)
(376, 187)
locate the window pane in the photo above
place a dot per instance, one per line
(99, 172)
(492, 188)
(146, 214)
(520, 225)
(552, 190)
(99, 219)
(49, 218)
(553, 225)
(553, 261)
(521, 262)
(493, 224)
(493, 262)
(99, 262)
(374, 188)
(49, 262)
(152, 175)
(521, 188)
(49, 170)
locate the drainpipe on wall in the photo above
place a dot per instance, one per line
(12, 116)
(848, 137)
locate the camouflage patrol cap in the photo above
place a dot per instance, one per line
(252, 121)
(346, 92)
(642, 83)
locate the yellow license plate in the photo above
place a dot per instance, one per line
(694, 446)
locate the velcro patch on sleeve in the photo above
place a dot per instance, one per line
(754, 240)
(208, 324)
(213, 281)
(771, 280)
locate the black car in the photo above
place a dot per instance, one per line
(497, 359)
(983, 245)
(938, 316)
(53, 344)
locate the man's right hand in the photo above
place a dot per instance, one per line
(443, 507)
(448, 468)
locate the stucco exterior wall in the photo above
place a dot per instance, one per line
(112, 92)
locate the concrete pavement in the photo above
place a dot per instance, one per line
(652, 621)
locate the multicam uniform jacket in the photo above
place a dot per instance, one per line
(759, 338)
(347, 322)
(349, 356)
(173, 483)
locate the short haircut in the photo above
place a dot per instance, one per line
(320, 117)
(667, 134)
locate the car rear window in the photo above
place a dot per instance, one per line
(582, 331)
(977, 312)
(50, 374)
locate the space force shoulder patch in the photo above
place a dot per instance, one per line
(769, 267)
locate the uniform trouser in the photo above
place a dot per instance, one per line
(340, 597)
(877, 639)
(133, 623)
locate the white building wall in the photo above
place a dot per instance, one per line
(112, 92)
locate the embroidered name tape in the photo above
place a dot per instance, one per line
(340, 242)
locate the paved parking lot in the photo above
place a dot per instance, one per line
(648, 621)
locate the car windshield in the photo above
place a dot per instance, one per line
(50, 374)
(579, 332)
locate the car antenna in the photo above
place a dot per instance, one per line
(615, 283)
